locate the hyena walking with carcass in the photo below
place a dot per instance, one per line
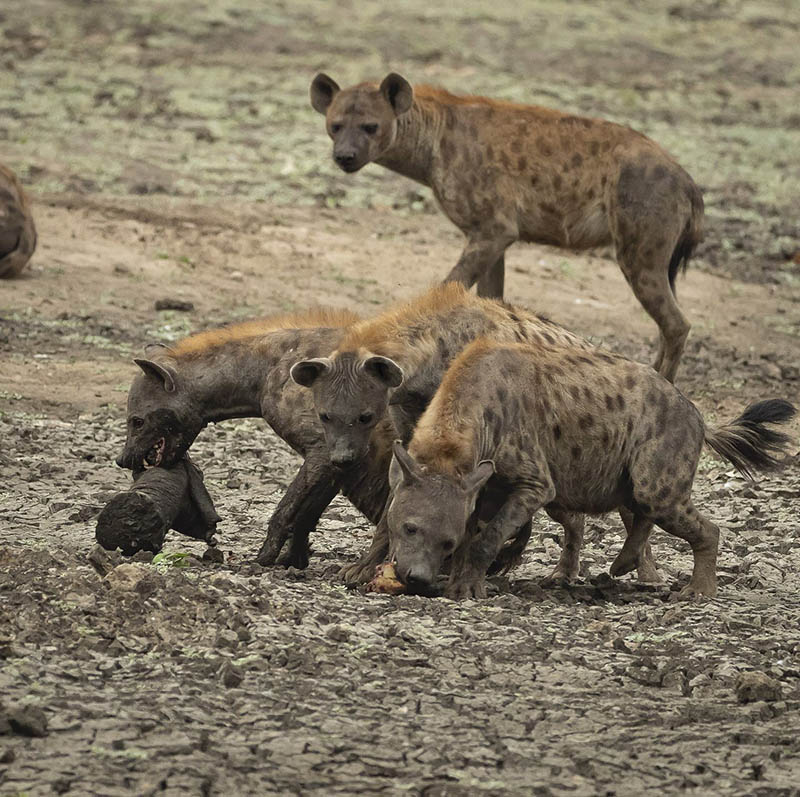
(504, 172)
(552, 428)
(242, 371)
(394, 364)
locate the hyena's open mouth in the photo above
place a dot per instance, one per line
(153, 458)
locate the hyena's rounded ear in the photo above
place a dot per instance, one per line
(398, 92)
(384, 370)
(155, 348)
(484, 470)
(166, 373)
(306, 372)
(402, 467)
(323, 90)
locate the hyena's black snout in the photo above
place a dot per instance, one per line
(343, 459)
(346, 160)
(417, 576)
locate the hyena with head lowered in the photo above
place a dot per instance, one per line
(394, 364)
(575, 431)
(504, 172)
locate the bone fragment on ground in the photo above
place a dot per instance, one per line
(386, 581)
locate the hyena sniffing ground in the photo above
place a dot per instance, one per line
(577, 431)
(394, 364)
(504, 172)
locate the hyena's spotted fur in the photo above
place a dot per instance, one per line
(570, 430)
(504, 172)
(394, 364)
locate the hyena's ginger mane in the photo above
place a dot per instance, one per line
(250, 332)
(445, 438)
(388, 333)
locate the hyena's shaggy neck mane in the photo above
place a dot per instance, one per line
(252, 333)
(428, 96)
(411, 332)
(447, 438)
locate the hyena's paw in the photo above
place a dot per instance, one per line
(296, 556)
(359, 573)
(560, 577)
(466, 589)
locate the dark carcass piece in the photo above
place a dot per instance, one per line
(158, 500)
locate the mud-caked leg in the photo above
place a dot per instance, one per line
(568, 567)
(297, 514)
(364, 569)
(646, 569)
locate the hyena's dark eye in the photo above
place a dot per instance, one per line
(410, 529)
(137, 423)
(370, 130)
(365, 417)
(324, 417)
(335, 128)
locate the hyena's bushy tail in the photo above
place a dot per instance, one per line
(691, 236)
(747, 443)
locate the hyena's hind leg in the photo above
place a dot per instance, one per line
(686, 522)
(646, 569)
(652, 233)
(667, 502)
(568, 567)
(491, 283)
(655, 294)
(632, 556)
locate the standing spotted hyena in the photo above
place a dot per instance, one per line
(504, 172)
(583, 431)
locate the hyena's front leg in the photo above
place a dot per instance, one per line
(471, 563)
(298, 513)
(364, 569)
(483, 259)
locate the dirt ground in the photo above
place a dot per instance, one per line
(171, 153)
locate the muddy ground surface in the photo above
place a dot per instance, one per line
(170, 153)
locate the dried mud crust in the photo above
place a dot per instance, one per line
(227, 678)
